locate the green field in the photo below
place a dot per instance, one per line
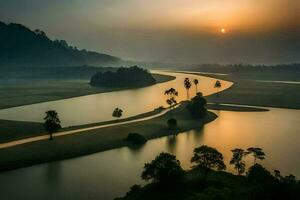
(96, 140)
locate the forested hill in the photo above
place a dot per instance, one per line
(21, 46)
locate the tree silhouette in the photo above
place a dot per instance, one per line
(197, 106)
(172, 94)
(117, 113)
(196, 82)
(52, 122)
(218, 85)
(164, 168)
(187, 84)
(237, 160)
(257, 153)
(208, 158)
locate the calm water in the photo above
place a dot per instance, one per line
(109, 174)
(99, 107)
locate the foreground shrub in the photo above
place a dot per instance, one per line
(164, 168)
(172, 124)
(136, 138)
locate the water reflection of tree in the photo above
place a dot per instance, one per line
(53, 173)
(171, 143)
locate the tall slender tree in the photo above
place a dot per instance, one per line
(187, 84)
(52, 122)
(237, 160)
(196, 82)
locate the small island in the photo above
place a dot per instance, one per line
(123, 77)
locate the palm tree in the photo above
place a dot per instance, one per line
(256, 152)
(118, 112)
(237, 160)
(52, 122)
(172, 94)
(187, 85)
(196, 82)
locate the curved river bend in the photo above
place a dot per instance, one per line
(109, 174)
(98, 107)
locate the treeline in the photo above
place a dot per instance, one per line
(246, 68)
(123, 77)
(21, 46)
(206, 180)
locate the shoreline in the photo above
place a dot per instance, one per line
(260, 94)
(97, 140)
(86, 90)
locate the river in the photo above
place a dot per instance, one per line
(109, 174)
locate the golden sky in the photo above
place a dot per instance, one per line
(169, 30)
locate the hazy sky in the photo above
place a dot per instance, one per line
(184, 31)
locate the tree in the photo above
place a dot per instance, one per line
(237, 160)
(117, 113)
(187, 85)
(196, 82)
(52, 122)
(257, 153)
(208, 158)
(197, 106)
(218, 85)
(164, 168)
(172, 94)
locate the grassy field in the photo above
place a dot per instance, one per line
(248, 89)
(96, 140)
(36, 91)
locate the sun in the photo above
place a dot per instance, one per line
(223, 30)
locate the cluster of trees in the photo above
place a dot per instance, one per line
(166, 172)
(123, 77)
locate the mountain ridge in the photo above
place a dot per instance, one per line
(20, 46)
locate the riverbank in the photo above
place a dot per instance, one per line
(96, 140)
(247, 90)
(37, 91)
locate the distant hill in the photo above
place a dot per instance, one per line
(20, 46)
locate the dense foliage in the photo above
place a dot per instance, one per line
(197, 106)
(164, 168)
(136, 138)
(258, 183)
(21, 46)
(123, 77)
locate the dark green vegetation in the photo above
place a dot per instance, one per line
(169, 181)
(257, 85)
(136, 138)
(172, 124)
(197, 106)
(21, 46)
(117, 113)
(97, 140)
(123, 77)
(164, 168)
(52, 122)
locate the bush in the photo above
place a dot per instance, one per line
(164, 168)
(197, 106)
(136, 138)
(172, 123)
